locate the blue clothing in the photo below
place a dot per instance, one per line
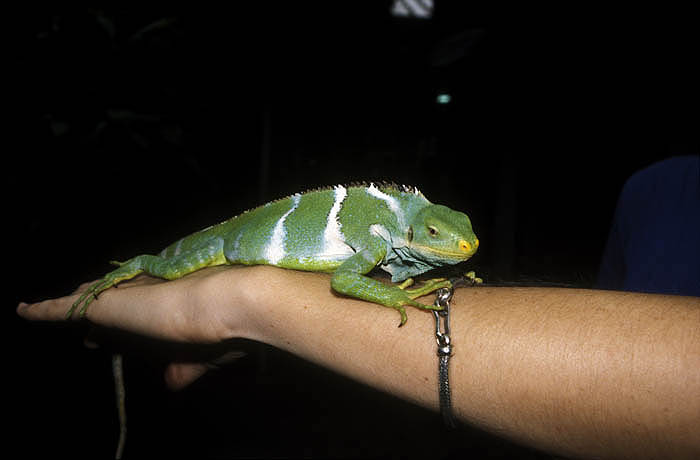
(654, 242)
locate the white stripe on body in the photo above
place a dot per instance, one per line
(176, 250)
(178, 247)
(334, 245)
(392, 202)
(380, 231)
(233, 255)
(274, 251)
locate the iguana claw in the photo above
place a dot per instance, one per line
(429, 286)
(126, 270)
(87, 297)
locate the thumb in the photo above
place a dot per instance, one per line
(180, 375)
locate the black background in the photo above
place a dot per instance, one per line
(132, 128)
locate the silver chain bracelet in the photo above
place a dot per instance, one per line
(444, 351)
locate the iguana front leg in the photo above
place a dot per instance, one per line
(350, 279)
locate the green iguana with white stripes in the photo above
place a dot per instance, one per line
(346, 230)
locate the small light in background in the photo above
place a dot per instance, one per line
(421, 9)
(443, 98)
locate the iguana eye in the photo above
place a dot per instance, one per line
(432, 230)
(409, 235)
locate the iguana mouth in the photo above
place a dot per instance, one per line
(461, 256)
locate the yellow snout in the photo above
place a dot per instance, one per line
(465, 246)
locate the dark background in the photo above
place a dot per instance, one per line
(135, 127)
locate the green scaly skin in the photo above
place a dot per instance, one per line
(346, 231)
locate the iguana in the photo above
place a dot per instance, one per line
(345, 230)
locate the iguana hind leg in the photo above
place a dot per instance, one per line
(168, 268)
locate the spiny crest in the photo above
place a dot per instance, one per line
(381, 185)
(390, 185)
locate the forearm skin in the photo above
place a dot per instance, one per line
(577, 372)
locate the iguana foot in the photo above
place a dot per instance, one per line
(472, 278)
(87, 297)
(110, 279)
(429, 286)
(411, 294)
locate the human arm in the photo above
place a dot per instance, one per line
(576, 372)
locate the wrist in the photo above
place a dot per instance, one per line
(257, 300)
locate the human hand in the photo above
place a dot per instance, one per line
(192, 310)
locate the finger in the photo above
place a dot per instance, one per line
(91, 341)
(48, 310)
(180, 375)
(139, 280)
(52, 309)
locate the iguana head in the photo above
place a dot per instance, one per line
(440, 236)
